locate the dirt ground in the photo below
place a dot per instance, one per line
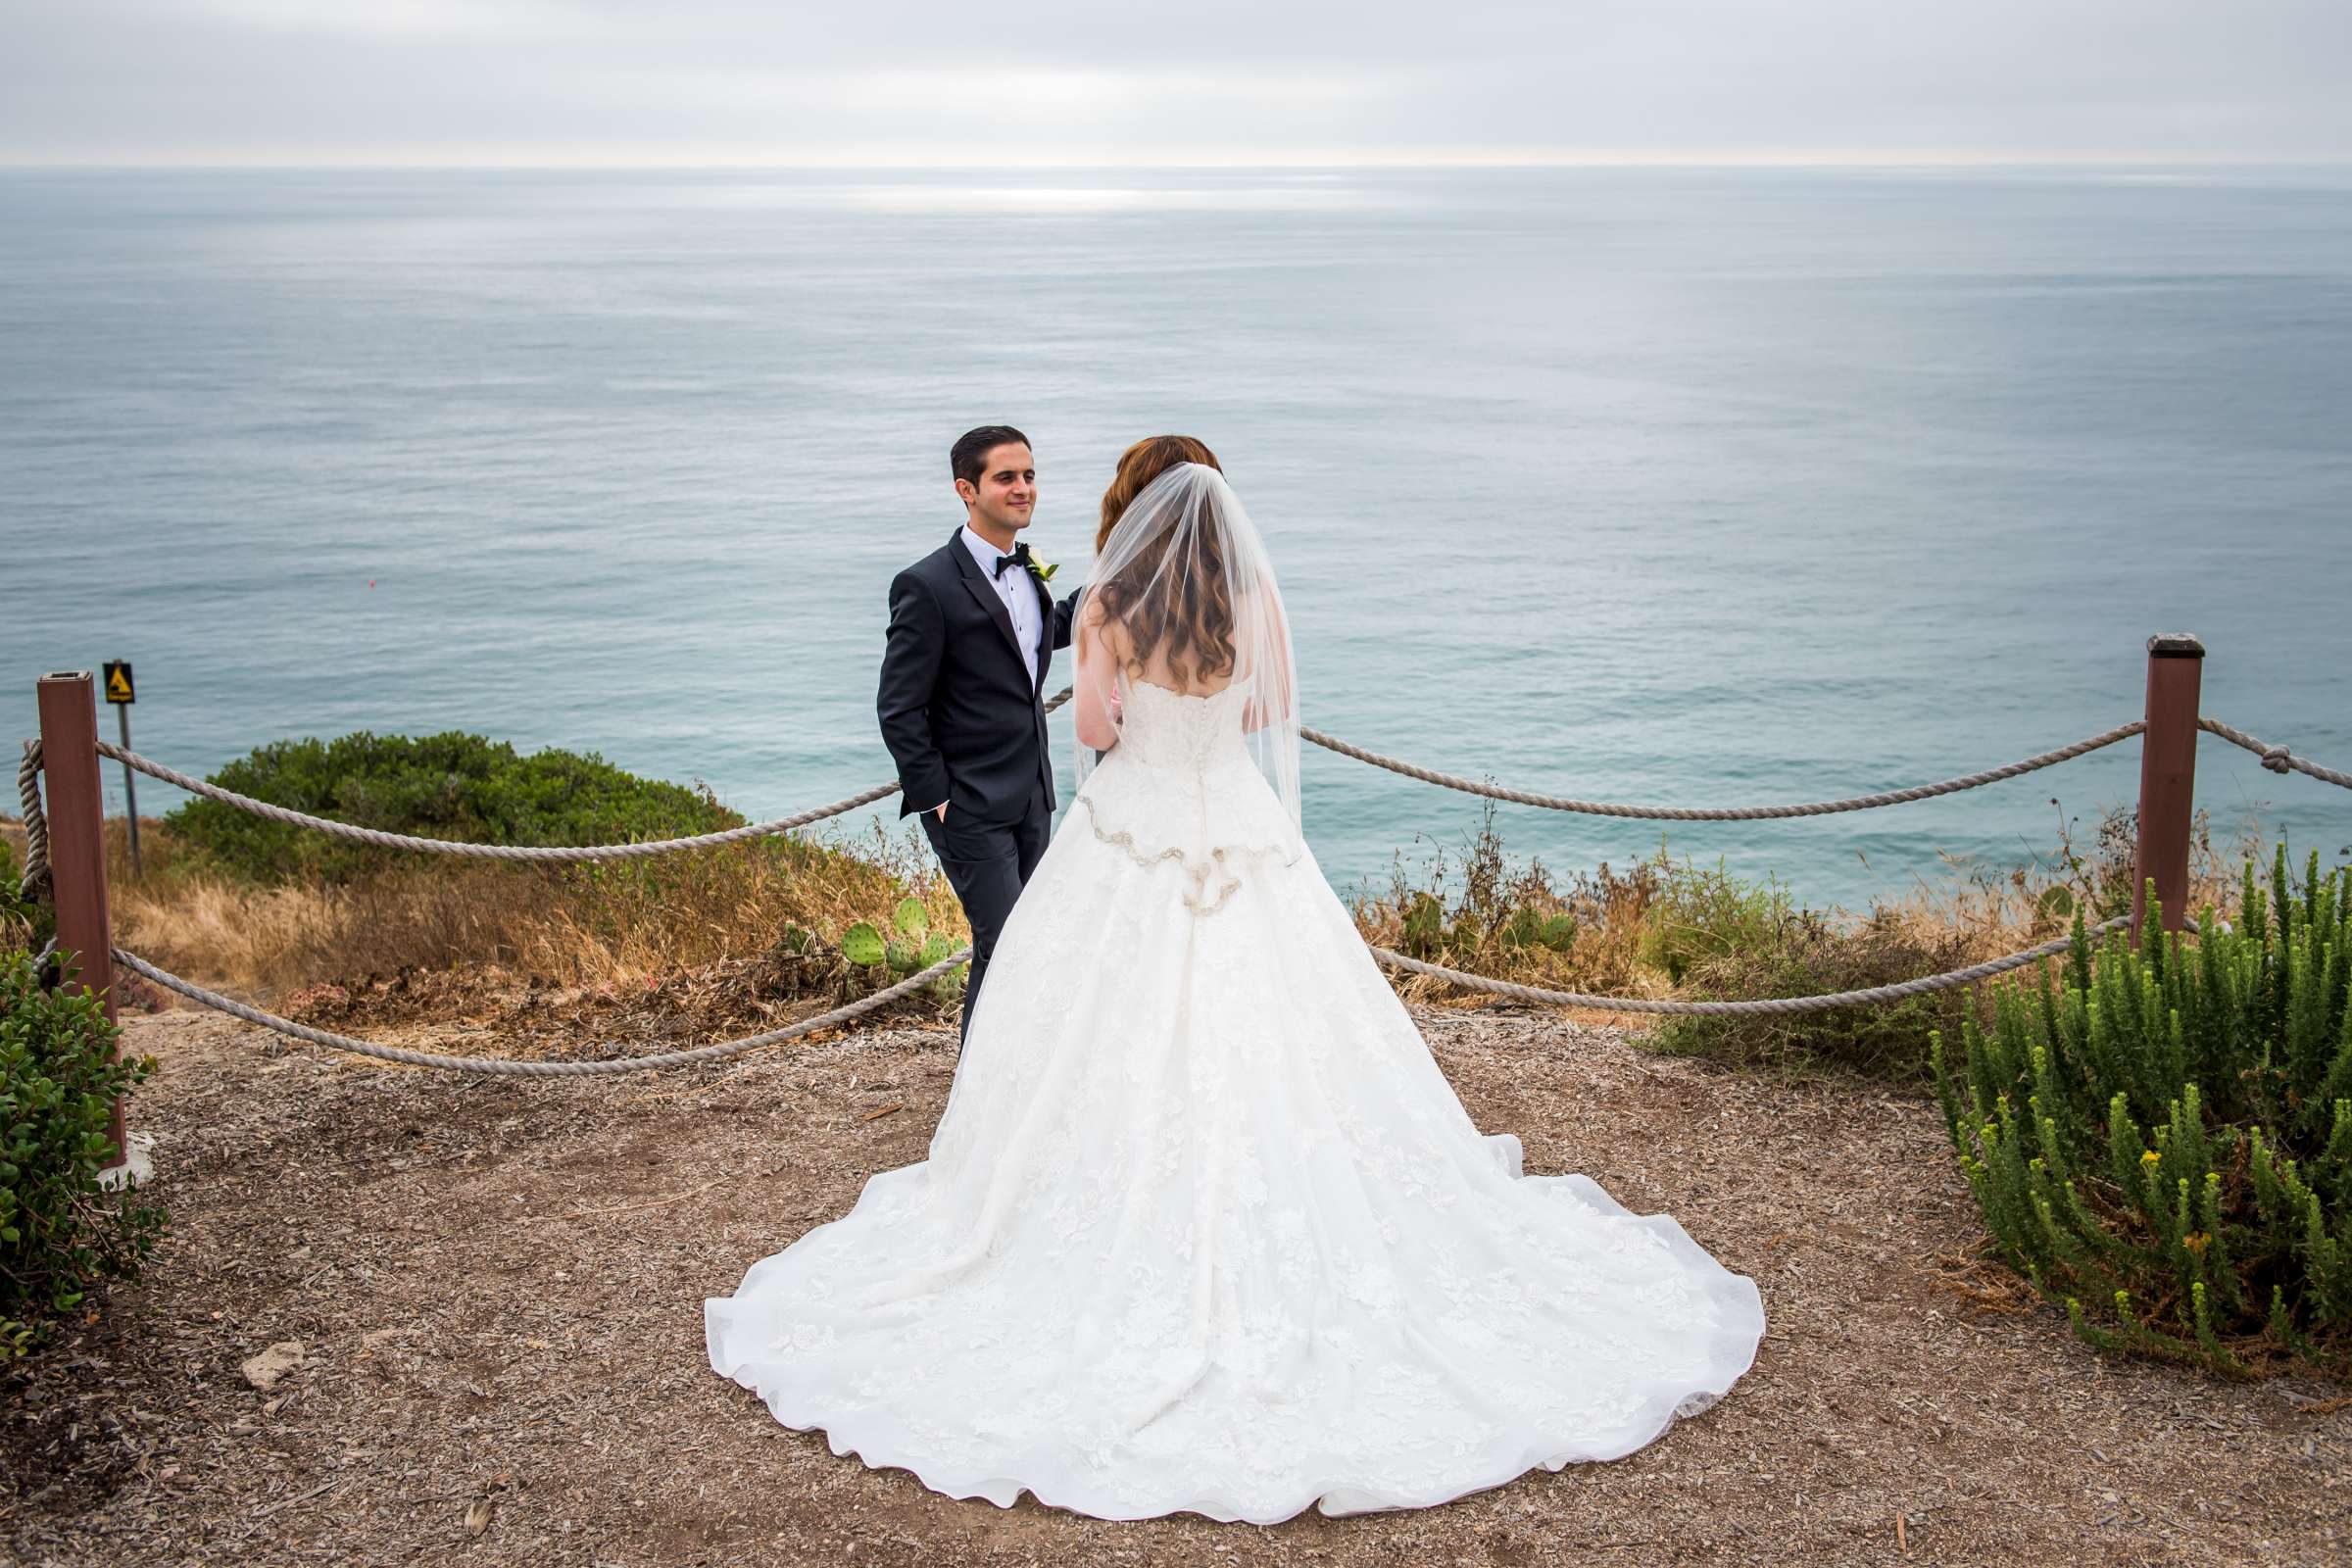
(497, 1290)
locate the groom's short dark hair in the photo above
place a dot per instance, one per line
(968, 457)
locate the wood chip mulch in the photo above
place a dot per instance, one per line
(487, 1299)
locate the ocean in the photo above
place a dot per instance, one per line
(1681, 486)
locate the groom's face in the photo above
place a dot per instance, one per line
(1006, 492)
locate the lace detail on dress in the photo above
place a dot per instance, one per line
(1180, 788)
(1196, 872)
(1163, 728)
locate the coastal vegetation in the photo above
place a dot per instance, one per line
(2161, 1140)
(449, 786)
(25, 922)
(273, 910)
(2162, 1144)
(1674, 927)
(60, 1232)
(269, 909)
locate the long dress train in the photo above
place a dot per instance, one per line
(1203, 1227)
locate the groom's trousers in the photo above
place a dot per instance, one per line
(987, 864)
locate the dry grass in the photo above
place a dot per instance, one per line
(1659, 928)
(1984, 914)
(1668, 927)
(1966, 918)
(265, 939)
(654, 918)
(1644, 930)
(618, 926)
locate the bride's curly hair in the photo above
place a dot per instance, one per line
(1138, 466)
(1188, 620)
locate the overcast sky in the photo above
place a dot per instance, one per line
(1095, 81)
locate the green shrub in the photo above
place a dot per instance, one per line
(1719, 937)
(22, 921)
(2164, 1142)
(1704, 914)
(1803, 953)
(60, 1233)
(453, 786)
(1504, 919)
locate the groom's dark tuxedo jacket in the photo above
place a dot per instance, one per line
(958, 712)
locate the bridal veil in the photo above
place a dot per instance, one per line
(1183, 597)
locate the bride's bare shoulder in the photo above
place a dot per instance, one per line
(1096, 624)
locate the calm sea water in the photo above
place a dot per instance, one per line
(1699, 488)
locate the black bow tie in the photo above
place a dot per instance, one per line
(1018, 558)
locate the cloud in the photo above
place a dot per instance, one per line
(1057, 81)
(427, 19)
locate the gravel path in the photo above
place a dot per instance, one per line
(496, 1287)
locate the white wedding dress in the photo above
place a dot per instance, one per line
(1203, 1227)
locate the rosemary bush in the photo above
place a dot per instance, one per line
(2163, 1143)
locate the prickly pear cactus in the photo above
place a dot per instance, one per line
(862, 946)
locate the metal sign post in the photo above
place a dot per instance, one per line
(121, 694)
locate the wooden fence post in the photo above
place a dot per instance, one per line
(2168, 777)
(69, 707)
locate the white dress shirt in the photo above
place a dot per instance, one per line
(1017, 592)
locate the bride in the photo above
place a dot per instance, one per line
(1202, 1227)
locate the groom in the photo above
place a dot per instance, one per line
(973, 632)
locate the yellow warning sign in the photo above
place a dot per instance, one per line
(117, 682)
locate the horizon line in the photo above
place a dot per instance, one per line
(1310, 163)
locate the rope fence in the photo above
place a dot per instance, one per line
(36, 858)
(37, 823)
(514, 1067)
(2275, 758)
(541, 854)
(702, 1054)
(1724, 814)
(1770, 1004)
(36, 877)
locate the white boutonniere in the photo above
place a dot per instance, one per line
(1042, 571)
